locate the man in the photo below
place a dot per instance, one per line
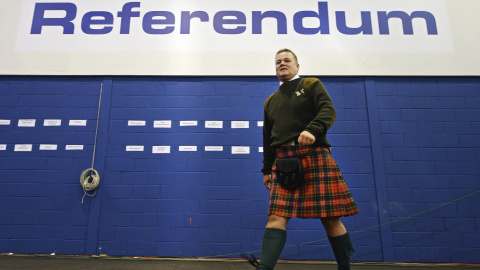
(296, 119)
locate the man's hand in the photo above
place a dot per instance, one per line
(267, 181)
(306, 138)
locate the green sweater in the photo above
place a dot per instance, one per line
(298, 105)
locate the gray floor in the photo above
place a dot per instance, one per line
(77, 263)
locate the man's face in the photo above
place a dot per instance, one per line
(286, 66)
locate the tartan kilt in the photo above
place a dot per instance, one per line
(324, 192)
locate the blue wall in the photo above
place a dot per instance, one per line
(405, 145)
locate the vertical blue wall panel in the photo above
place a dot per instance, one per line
(429, 165)
(41, 192)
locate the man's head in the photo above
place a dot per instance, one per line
(286, 65)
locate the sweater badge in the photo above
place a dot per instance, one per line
(299, 93)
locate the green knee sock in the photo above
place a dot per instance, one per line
(343, 250)
(272, 246)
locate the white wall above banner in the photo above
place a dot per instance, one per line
(214, 37)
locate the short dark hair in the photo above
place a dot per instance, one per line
(290, 51)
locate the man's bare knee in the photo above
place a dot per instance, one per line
(330, 221)
(333, 226)
(277, 222)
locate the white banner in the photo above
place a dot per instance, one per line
(213, 37)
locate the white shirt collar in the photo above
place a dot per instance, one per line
(294, 78)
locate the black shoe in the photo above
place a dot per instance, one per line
(252, 260)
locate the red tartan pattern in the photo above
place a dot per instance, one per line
(324, 192)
